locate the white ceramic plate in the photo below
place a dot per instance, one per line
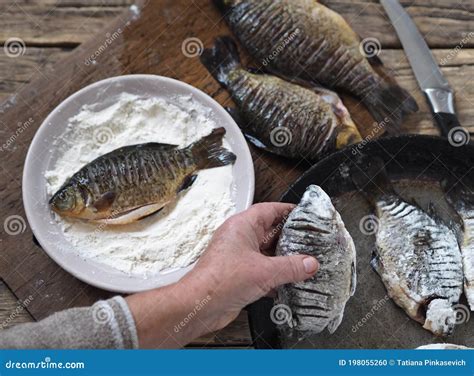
(41, 158)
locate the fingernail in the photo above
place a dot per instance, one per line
(310, 265)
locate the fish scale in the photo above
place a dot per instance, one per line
(306, 40)
(315, 228)
(132, 182)
(412, 251)
(461, 198)
(310, 121)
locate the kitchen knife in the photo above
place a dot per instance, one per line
(435, 86)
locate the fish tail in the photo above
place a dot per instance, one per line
(348, 133)
(208, 152)
(389, 103)
(221, 59)
(370, 176)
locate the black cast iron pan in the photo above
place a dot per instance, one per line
(416, 164)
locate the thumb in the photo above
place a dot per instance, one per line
(291, 269)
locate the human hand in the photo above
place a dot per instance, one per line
(234, 271)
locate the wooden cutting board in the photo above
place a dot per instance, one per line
(153, 41)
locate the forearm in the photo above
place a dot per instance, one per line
(107, 324)
(172, 316)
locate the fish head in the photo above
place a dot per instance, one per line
(68, 201)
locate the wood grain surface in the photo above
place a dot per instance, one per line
(60, 37)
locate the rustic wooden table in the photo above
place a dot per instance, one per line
(54, 39)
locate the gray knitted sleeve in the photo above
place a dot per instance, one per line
(107, 324)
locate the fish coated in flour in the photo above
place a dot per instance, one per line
(417, 257)
(305, 39)
(315, 228)
(461, 198)
(135, 181)
(279, 116)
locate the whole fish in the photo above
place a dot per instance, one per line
(416, 256)
(315, 228)
(281, 117)
(305, 39)
(135, 181)
(461, 198)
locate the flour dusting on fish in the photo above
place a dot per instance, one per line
(417, 257)
(135, 181)
(279, 116)
(315, 228)
(461, 198)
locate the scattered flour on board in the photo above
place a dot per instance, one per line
(172, 238)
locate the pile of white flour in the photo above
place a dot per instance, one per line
(172, 238)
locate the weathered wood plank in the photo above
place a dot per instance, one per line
(43, 24)
(12, 312)
(16, 72)
(445, 23)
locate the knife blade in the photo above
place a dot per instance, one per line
(439, 93)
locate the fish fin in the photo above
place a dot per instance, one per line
(256, 142)
(335, 322)
(389, 103)
(188, 182)
(375, 60)
(151, 145)
(440, 317)
(105, 201)
(133, 215)
(221, 59)
(353, 278)
(235, 113)
(433, 213)
(208, 152)
(370, 176)
(257, 71)
(375, 261)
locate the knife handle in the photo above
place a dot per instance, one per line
(446, 122)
